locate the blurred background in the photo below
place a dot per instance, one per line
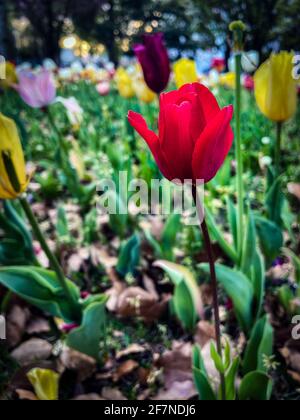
(98, 30)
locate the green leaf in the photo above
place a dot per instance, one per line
(258, 278)
(249, 246)
(239, 288)
(259, 346)
(232, 220)
(219, 237)
(129, 257)
(256, 386)
(201, 379)
(86, 339)
(271, 239)
(187, 298)
(216, 358)
(274, 202)
(296, 263)
(40, 288)
(170, 232)
(230, 380)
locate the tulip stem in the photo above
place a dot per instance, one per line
(214, 283)
(278, 148)
(239, 154)
(51, 257)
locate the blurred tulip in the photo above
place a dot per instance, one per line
(250, 61)
(45, 383)
(13, 178)
(248, 82)
(228, 80)
(10, 75)
(74, 110)
(124, 83)
(103, 88)
(275, 88)
(49, 64)
(37, 90)
(142, 91)
(218, 64)
(194, 134)
(153, 57)
(185, 71)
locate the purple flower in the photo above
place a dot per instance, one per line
(153, 57)
(37, 90)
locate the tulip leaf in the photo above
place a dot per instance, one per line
(129, 257)
(256, 386)
(239, 288)
(232, 219)
(86, 339)
(274, 202)
(40, 288)
(258, 279)
(219, 237)
(187, 298)
(270, 237)
(201, 378)
(296, 263)
(230, 380)
(45, 383)
(260, 346)
(249, 246)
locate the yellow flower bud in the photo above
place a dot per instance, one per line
(185, 72)
(142, 91)
(275, 87)
(45, 383)
(124, 83)
(13, 178)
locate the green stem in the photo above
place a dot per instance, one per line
(51, 257)
(214, 284)
(239, 154)
(278, 148)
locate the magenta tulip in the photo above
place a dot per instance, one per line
(153, 57)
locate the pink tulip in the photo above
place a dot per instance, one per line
(37, 90)
(103, 88)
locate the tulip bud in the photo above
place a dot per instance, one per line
(238, 28)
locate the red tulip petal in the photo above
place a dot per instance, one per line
(151, 138)
(209, 103)
(213, 146)
(176, 141)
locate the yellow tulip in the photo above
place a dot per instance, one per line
(13, 178)
(124, 83)
(45, 383)
(10, 74)
(227, 80)
(275, 88)
(142, 91)
(185, 71)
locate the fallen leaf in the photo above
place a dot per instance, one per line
(74, 360)
(205, 332)
(112, 394)
(32, 351)
(88, 397)
(38, 326)
(16, 324)
(26, 395)
(125, 369)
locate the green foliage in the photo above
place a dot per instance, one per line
(256, 386)
(16, 246)
(40, 287)
(86, 338)
(270, 238)
(129, 257)
(187, 301)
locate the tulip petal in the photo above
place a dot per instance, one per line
(213, 146)
(176, 138)
(151, 138)
(209, 103)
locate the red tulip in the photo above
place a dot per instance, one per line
(194, 134)
(153, 57)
